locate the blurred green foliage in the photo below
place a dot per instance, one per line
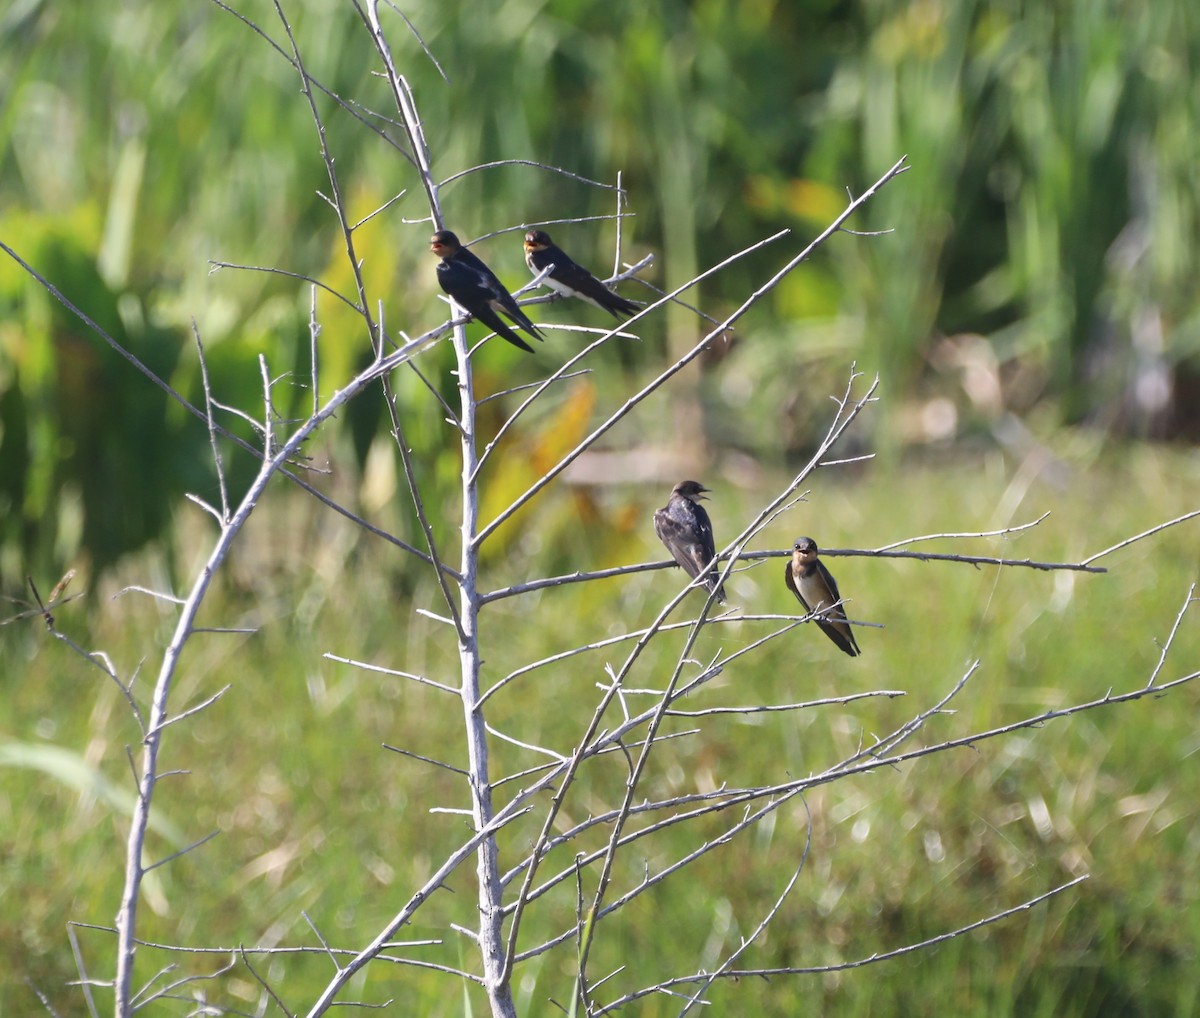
(1051, 209)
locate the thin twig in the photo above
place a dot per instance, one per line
(1137, 537)
(349, 106)
(525, 162)
(182, 852)
(1189, 600)
(218, 462)
(426, 759)
(766, 919)
(264, 984)
(276, 271)
(382, 670)
(176, 718)
(767, 708)
(843, 966)
(985, 533)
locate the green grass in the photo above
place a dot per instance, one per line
(315, 816)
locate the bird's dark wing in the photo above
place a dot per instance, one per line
(590, 288)
(499, 297)
(840, 633)
(463, 283)
(690, 541)
(704, 530)
(704, 533)
(508, 304)
(833, 622)
(830, 582)
(680, 539)
(791, 582)
(471, 291)
(493, 321)
(575, 278)
(468, 259)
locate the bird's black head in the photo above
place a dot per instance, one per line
(537, 240)
(692, 490)
(806, 546)
(444, 244)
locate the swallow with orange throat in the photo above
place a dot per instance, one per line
(475, 288)
(569, 278)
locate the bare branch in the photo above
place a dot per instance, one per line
(218, 462)
(350, 107)
(984, 533)
(193, 710)
(772, 912)
(621, 199)
(275, 271)
(405, 104)
(135, 589)
(42, 998)
(264, 984)
(414, 490)
(817, 969)
(183, 851)
(367, 666)
(976, 560)
(324, 943)
(1189, 600)
(339, 206)
(537, 166)
(1145, 533)
(529, 385)
(764, 708)
(427, 759)
(421, 42)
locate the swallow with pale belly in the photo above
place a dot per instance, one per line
(816, 589)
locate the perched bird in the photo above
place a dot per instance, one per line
(816, 589)
(684, 527)
(570, 279)
(476, 289)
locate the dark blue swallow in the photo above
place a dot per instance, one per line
(475, 288)
(684, 527)
(569, 278)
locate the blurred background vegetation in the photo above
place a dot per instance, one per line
(1034, 318)
(1043, 260)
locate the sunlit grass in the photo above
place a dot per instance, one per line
(316, 816)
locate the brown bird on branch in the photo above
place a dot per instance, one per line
(816, 589)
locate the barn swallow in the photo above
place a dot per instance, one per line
(569, 278)
(475, 288)
(817, 590)
(684, 527)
